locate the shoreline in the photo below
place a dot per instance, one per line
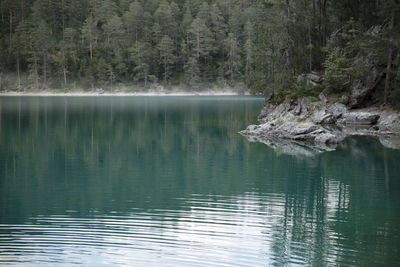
(150, 93)
(305, 127)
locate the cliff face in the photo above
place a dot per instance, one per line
(321, 125)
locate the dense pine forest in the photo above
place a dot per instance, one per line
(266, 46)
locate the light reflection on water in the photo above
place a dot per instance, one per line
(208, 230)
(151, 181)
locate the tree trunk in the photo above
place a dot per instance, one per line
(18, 74)
(288, 45)
(44, 68)
(63, 46)
(198, 45)
(65, 75)
(136, 35)
(36, 72)
(91, 49)
(313, 7)
(322, 27)
(310, 45)
(389, 65)
(165, 69)
(388, 70)
(324, 22)
(11, 28)
(2, 12)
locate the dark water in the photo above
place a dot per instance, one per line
(166, 181)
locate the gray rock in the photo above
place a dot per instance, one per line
(322, 117)
(345, 99)
(360, 118)
(302, 108)
(323, 98)
(326, 138)
(390, 142)
(309, 122)
(297, 109)
(305, 108)
(315, 77)
(389, 122)
(252, 128)
(303, 129)
(337, 110)
(363, 90)
(293, 148)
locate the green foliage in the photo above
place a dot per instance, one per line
(395, 93)
(338, 71)
(262, 44)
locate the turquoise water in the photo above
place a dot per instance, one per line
(167, 181)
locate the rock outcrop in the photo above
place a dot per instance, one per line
(320, 125)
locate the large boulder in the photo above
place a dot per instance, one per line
(302, 108)
(323, 117)
(315, 78)
(389, 121)
(266, 111)
(360, 118)
(323, 98)
(337, 110)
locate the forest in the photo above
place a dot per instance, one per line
(262, 45)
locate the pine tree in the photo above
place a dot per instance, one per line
(89, 32)
(201, 38)
(167, 57)
(192, 72)
(134, 20)
(248, 50)
(233, 59)
(42, 44)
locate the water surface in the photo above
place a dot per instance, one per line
(167, 181)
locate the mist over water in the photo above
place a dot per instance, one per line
(167, 181)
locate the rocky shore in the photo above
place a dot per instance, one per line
(307, 127)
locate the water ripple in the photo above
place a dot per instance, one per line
(247, 230)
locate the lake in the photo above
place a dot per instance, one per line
(167, 181)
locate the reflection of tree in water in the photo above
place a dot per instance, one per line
(102, 149)
(344, 210)
(116, 155)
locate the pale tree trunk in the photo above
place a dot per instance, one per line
(310, 45)
(388, 70)
(11, 28)
(18, 74)
(63, 36)
(165, 70)
(91, 49)
(65, 75)
(36, 72)
(288, 45)
(198, 44)
(44, 67)
(388, 67)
